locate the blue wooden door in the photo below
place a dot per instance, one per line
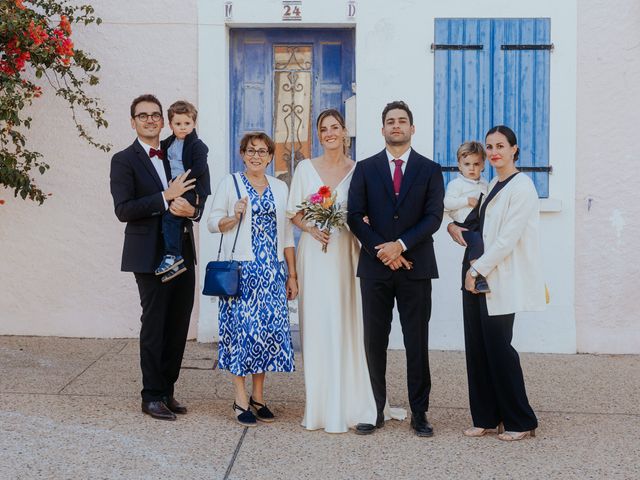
(493, 72)
(280, 80)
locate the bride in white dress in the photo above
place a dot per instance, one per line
(337, 384)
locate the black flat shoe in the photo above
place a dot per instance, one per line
(262, 411)
(245, 418)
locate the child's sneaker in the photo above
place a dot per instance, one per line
(167, 263)
(173, 273)
(481, 285)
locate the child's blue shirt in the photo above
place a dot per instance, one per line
(175, 158)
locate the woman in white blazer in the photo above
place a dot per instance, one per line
(254, 325)
(508, 219)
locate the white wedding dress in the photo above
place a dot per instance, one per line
(337, 384)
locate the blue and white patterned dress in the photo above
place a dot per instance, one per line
(254, 326)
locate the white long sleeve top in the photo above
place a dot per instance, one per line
(456, 200)
(225, 198)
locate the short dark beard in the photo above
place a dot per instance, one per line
(395, 143)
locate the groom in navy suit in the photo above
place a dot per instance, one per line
(141, 194)
(395, 206)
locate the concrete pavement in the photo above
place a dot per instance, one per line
(70, 409)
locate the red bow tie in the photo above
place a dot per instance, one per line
(156, 153)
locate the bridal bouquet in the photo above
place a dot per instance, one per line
(322, 209)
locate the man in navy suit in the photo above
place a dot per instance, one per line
(395, 206)
(141, 193)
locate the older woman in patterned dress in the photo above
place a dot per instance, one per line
(254, 326)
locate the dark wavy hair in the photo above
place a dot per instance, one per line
(511, 137)
(397, 104)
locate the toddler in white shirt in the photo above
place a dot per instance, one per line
(463, 194)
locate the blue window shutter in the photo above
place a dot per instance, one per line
(477, 89)
(462, 87)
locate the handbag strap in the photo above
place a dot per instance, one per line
(233, 249)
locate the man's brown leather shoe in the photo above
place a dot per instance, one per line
(158, 410)
(175, 406)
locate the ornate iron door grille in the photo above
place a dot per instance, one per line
(292, 107)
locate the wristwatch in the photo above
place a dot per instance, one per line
(474, 273)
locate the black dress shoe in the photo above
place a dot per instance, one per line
(175, 406)
(158, 410)
(368, 428)
(421, 425)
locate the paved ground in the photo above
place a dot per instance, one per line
(69, 409)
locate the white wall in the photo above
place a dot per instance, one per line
(393, 61)
(607, 199)
(60, 262)
(60, 265)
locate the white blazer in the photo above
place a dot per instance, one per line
(511, 261)
(222, 206)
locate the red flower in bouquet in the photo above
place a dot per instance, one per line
(324, 191)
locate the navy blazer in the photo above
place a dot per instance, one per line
(137, 198)
(194, 158)
(413, 216)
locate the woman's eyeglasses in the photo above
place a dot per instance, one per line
(262, 152)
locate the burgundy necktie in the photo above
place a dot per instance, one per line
(156, 153)
(397, 175)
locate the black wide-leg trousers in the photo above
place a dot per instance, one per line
(496, 385)
(414, 305)
(166, 311)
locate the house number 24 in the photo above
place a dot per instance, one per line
(291, 10)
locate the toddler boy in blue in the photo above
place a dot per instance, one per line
(184, 151)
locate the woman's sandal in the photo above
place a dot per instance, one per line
(246, 417)
(262, 411)
(515, 436)
(480, 432)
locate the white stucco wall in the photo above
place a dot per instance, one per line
(60, 261)
(393, 61)
(607, 199)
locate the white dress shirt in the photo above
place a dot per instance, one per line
(159, 166)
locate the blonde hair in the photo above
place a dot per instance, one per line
(471, 148)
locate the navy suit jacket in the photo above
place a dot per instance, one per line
(413, 216)
(137, 198)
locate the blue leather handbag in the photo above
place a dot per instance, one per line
(222, 278)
